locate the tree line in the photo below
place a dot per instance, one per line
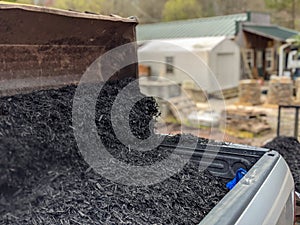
(284, 12)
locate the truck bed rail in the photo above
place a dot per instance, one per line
(221, 160)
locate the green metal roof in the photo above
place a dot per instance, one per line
(203, 27)
(272, 32)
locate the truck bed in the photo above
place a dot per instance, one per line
(264, 196)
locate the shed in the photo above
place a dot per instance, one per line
(213, 63)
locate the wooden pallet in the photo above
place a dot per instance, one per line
(226, 93)
(181, 107)
(246, 121)
(195, 95)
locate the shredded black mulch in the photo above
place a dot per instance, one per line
(44, 179)
(289, 148)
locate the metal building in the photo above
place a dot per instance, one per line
(213, 63)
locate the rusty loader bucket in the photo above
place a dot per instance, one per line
(45, 48)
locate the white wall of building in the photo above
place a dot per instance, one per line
(203, 60)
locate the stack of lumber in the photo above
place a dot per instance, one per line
(280, 91)
(246, 119)
(249, 92)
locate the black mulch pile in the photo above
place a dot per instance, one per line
(289, 148)
(44, 179)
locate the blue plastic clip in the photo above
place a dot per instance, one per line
(240, 173)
